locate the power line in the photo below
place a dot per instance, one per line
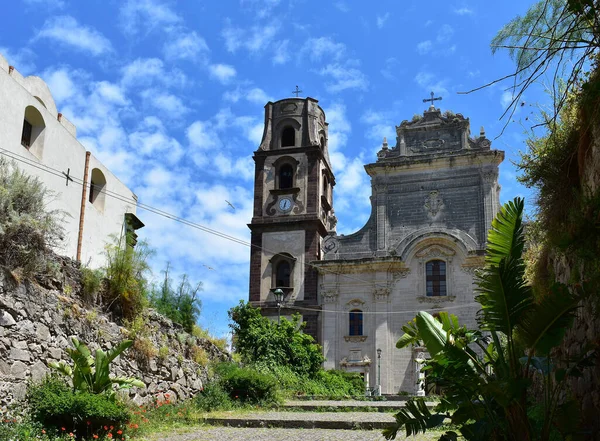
(167, 215)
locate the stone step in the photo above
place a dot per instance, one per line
(305, 420)
(345, 405)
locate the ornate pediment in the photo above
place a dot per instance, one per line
(355, 303)
(381, 293)
(329, 296)
(436, 250)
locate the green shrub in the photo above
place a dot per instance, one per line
(181, 304)
(91, 281)
(260, 340)
(126, 268)
(27, 230)
(213, 397)
(55, 405)
(247, 385)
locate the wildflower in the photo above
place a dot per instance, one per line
(112, 427)
(43, 432)
(167, 395)
(105, 427)
(95, 436)
(109, 435)
(63, 429)
(119, 432)
(71, 435)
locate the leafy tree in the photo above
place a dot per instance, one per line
(260, 340)
(182, 304)
(554, 37)
(28, 230)
(487, 396)
(92, 374)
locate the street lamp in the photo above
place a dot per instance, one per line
(379, 371)
(279, 294)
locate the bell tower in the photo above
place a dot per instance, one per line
(293, 209)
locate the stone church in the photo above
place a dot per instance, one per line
(434, 195)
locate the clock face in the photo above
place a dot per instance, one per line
(285, 204)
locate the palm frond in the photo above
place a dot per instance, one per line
(544, 325)
(415, 418)
(503, 292)
(432, 333)
(410, 336)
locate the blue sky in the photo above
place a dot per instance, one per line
(170, 95)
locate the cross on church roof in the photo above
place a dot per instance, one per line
(432, 99)
(297, 91)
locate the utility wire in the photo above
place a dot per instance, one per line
(167, 215)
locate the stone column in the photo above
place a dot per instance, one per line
(489, 179)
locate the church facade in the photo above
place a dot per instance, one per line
(43, 142)
(434, 195)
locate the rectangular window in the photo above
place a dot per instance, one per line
(435, 271)
(26, 135)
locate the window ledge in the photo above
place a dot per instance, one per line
(285, 190)
(436, 299)
(355, 338)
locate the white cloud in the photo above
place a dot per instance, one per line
(222, 72)
(344, 77)
(165, 102)
(66, 30)
(506, 99)
(424, 47)
(136, 15)
(342, 6)
(143, 72)
(464, 11)
(258, 96)
(255, 39)
(60, 83)
(22, 59)
(445, 33)
(186, 45)
(339, 128)
(281, 52)
(428, 82)
(262, 8)
(324, 47)
(381, 19)
(390, 67)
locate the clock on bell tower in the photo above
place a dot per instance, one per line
(293, 191)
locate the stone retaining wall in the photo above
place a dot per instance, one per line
(37, 323)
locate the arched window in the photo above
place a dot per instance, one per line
(97, 189)
(286, 176)
(322, 142)
(325, 187)
(283, 273)
(436, 278)
(32, 136)
(288, 137)
(356, 322)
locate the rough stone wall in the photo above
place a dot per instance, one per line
(37, 323)
(586, 328)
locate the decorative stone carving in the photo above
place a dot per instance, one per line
(433, 203)
(401, 274)
(435, 251)
(436, 299)
(365, 361)
(289, 108)
(489, 177)
(355, 303)
(332, 219)
(329, 296)
(433, 143)
(381, 293)
(471, 270)
(330, 244)
(355, 338)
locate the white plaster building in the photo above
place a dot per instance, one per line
(43, 142)
(434, 196)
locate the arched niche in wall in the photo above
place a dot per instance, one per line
(33, 133)
(286, 172)
(97, 189)
(287, 134)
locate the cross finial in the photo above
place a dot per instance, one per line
(432, 99)
(297, 91)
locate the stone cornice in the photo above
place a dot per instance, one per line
(355, 338)
(436, 299)
(402, 164)
(386, 264)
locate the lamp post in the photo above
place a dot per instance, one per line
(379, 372)
(279, 294)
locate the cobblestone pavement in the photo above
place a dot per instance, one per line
(315, 416)
(235, 434)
